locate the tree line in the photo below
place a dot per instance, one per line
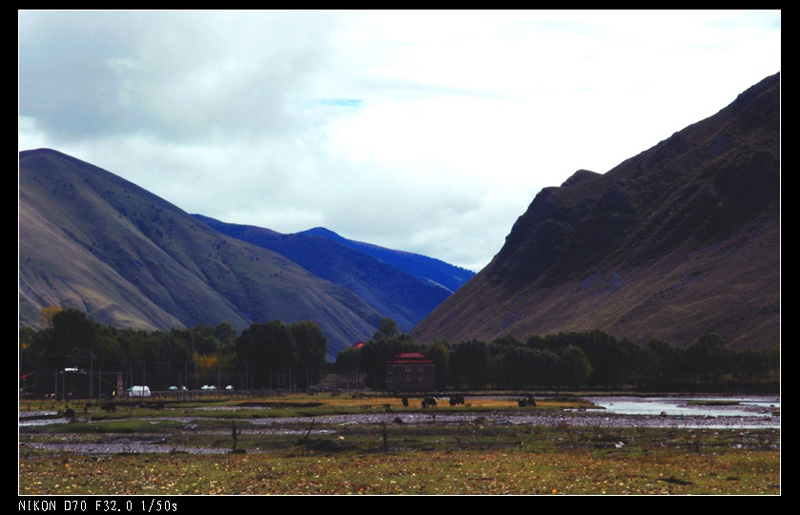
(277, 355)
(265, 355)
(587, 359)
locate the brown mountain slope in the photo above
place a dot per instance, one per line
(93, 241)
(681, 239)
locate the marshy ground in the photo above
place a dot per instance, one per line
(297, 444)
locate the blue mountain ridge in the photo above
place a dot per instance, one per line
(402, 286)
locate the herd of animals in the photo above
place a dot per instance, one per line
(427, 402)
(430, 402)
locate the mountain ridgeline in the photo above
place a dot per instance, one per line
(680, 240)
(402, 286)
(91, 240)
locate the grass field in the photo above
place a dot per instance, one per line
(475, 456)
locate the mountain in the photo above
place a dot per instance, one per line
(395, 293)
(428, 269)
(682, 239)
(91, 240)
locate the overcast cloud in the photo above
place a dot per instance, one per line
(425, 131)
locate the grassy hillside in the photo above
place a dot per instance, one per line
(93, 241)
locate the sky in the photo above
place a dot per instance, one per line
(424, 131)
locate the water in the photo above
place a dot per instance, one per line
(750, 411)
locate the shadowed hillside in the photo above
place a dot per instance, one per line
(425, 268)
(679, 240)
(394, 293)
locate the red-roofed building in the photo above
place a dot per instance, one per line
(410, 372)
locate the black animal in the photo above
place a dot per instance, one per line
(455, 401)
(405, 401)
(526, 401)
(69, 413)
(428, 402)
(108, 407)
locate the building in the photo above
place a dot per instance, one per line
(410, 372)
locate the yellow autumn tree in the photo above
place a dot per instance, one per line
(206, 365)
(46, 316)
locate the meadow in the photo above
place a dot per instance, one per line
(331, 445)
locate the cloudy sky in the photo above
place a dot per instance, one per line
(425, 131)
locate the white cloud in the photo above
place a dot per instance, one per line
(424, 131)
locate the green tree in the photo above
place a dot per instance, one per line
(74, 331)
(664, 362)
(440, 355)
(708, 357)
(470, 364)
(575, 366)
(312, 350)
(269, 352)
(387, 329)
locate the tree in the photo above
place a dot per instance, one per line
(311, 347)
(664, 362)
(73, 332)
(708, 356)
(440, 355)
(46, 316)
(575, 366)
(387, 329)
(206, 366)
(470, 364)
(266, 348)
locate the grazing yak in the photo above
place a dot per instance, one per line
(526, 401)
(455, 401)
(405, 401)
(428, 402)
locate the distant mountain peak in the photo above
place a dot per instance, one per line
(376, 274)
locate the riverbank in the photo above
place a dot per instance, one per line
(327, 445)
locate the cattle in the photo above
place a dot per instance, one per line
(428, 402)
(108, 407)
(455, 401)
(526, 401)
(405, 401)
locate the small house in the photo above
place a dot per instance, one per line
(410, 372)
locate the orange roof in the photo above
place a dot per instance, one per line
(410, 357)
